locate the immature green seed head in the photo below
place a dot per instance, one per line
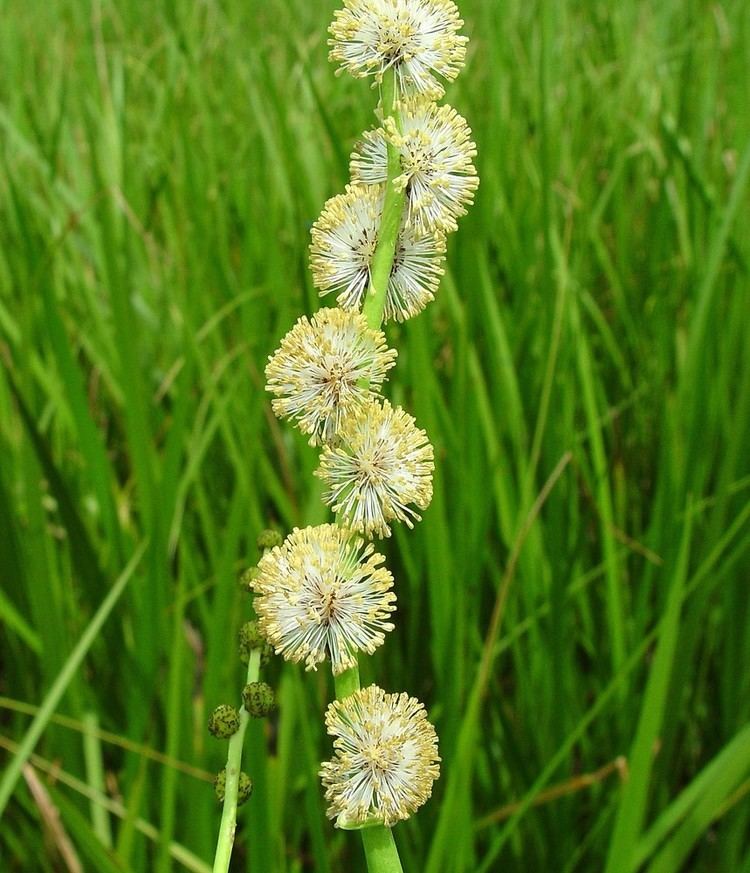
(244, 787)
(258, 699)
(268, 538)
(220, 784)
(251, 638)
(223, 722)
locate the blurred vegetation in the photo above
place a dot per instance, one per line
(576, 599)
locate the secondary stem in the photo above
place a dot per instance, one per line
(234, 766)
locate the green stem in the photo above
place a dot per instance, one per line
(380, 850)
(380, 847)
(347, 683)
(393, 210)
(234, 765)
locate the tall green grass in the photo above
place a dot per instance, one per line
(578, 590)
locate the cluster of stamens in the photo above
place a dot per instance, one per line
(417, 39)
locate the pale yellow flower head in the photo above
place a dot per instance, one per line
(318, 371)
(381, 464)
(343, 244)
(323, 594)
(418, 39)
(385, 758)
(437, 172)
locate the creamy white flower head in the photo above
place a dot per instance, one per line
(323, 593)
(436, 153)
(317, 371)
(343, 244)
(418, 39)
(381, 463)
(385, 758)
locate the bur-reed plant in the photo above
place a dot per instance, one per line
(324, 592)
(158, 183)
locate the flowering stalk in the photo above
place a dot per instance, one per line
(378, 843)
(323, 593)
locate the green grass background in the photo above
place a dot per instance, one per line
(578, 590)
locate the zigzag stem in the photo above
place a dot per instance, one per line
(379, 846)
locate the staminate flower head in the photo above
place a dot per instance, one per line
(344, 239)
(323, 592)
(436, 152)
(317, 370)
(385, 758)
(381, 463)
(417, 38)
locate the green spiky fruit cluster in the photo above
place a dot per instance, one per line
(244, 787)
(223, 722)
(258, 699)
(250, 639)
(268, 538)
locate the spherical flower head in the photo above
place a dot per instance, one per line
(318, 370)
(381, 463)
(418, 39)
(344, 240)
(436, 153)
(323, 593)
(385, 758)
